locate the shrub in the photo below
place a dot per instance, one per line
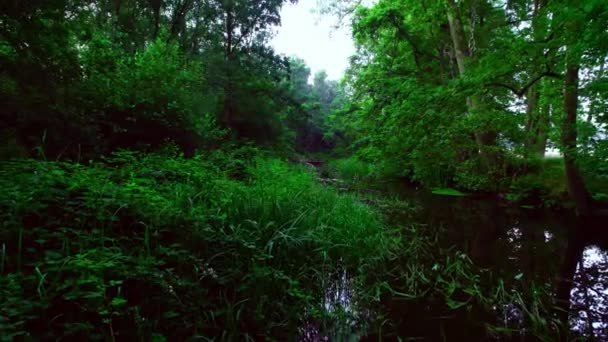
(352, 169)
(546, 186)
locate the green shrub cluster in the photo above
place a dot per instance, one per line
(352, 169)
(157, 246)
(544, 185)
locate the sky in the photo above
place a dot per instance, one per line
(314, 39)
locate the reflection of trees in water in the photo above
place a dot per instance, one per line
(345, 319)
(589, 294)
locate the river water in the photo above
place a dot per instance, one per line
(557, 251)
(565, 254)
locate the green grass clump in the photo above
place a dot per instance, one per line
(226, 246)
(158, 246)
(440, 293)
(351, 169)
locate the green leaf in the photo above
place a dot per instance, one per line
(118, 302)
(448, 192)
(170, 314)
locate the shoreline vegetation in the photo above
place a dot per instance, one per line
(157, 246)
(544, 188)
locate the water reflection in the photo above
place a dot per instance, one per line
(548, 236)
(344, 318)
(514, 238)
(529, 248)
(526, 249)
(589, 294)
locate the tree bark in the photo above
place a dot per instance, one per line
(117, 7)
(463, 54)
(229, 60)
(537, 115)
(532, 99)
(156, 6)
(458, 36)
(542, 131)
(179, 17)
(537, 124)
(575, 183)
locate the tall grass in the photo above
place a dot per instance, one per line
(222, 246)
(352, 170)
(159, 246)
(433, 287)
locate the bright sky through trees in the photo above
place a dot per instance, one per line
(314, 39)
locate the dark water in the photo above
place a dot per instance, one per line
(558, 252)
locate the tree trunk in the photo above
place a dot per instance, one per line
(463, 54)
(576, 185)
(156, 6)
(537, 115)
(229, 60)
(537, 125)
(532, 100)
(179, 17)
(458, 37)
(117, 7)
(542, 133)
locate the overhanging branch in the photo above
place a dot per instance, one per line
(523, 90)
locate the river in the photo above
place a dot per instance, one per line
(524, 249)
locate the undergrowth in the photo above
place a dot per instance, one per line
(352, 170)
(158, 246)
(543, 186)
(222, 246)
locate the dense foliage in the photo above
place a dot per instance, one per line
(80, 79)
(147, 194)
(472, 93)
(158, 245)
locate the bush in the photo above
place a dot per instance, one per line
(467, 176)
(147, 97)
(352, 169)
(545, 185)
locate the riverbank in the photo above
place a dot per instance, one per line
(236, 244)
(549, 265)
(544, 186)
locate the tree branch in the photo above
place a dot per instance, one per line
(523, 90)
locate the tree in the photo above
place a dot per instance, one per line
(579, 22)
(438, 85)
(310, 106)
(138, 73)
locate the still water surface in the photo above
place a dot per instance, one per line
(558, 251)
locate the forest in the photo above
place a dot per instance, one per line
(166, 175)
